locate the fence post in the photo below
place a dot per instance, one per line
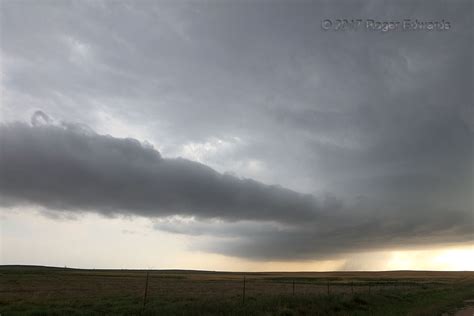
(293, 287)
(243, 293)
(146, 289)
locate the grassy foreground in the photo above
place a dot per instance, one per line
(54, 291)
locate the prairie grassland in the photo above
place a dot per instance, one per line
(29, 290)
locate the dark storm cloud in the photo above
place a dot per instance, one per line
(377, 232)
(383, 122)
(355, 227)
(69, 167)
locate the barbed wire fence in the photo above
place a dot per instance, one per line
(246, 287)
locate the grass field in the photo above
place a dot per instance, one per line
(29, 290)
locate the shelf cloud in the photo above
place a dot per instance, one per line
(68, 167)
(245, 127)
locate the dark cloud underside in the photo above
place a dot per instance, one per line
(368, 135)
(68, 167)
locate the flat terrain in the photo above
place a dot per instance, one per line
(31, 290)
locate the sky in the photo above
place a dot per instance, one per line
(236, 135)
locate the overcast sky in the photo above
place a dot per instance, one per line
(224, 132)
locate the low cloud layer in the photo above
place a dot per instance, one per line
(68, 167)
(369, 135)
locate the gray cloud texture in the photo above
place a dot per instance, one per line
(69, 167)
(370, 135)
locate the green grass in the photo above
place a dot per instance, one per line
(39, 291)
(424, 302)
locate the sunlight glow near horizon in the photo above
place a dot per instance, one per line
(459, 258)
(125, 243)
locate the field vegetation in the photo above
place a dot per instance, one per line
(31, 290)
